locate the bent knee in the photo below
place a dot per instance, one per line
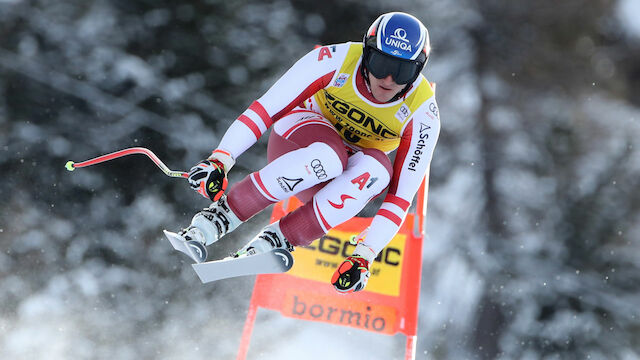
(323, 148)
(313, 134)
(380, 157)
(305, 137)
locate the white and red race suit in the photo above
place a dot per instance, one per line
(329, 147)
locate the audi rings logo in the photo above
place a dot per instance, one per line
(317, 167)
(434, 109)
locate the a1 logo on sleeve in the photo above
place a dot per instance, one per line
(403, 113)
(326, 51)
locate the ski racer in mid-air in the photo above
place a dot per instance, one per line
(336, 114)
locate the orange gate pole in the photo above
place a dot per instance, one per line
(247, 330)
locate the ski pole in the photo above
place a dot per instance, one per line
(124, 152)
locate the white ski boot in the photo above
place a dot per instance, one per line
(268, 239)
(267, 253)
(207, 227)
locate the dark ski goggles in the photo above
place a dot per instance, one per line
(382, 65)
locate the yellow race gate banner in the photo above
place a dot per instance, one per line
(389, 303)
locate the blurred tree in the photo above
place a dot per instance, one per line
(539, 139)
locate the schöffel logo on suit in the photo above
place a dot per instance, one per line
(417, 153)
(288, 184)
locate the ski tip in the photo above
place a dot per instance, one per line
(195, 250)
(170, 235)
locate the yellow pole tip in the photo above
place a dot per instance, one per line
(69, 165)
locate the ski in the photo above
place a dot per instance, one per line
(272, 262)
(193, 249)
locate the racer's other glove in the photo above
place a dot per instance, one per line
(352, 275)
(209, 177)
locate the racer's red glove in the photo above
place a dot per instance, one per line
(209, 177)
(352, 275)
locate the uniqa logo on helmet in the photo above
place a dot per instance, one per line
(399, 40)
(400, 35)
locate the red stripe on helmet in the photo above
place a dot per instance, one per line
(374, 28)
